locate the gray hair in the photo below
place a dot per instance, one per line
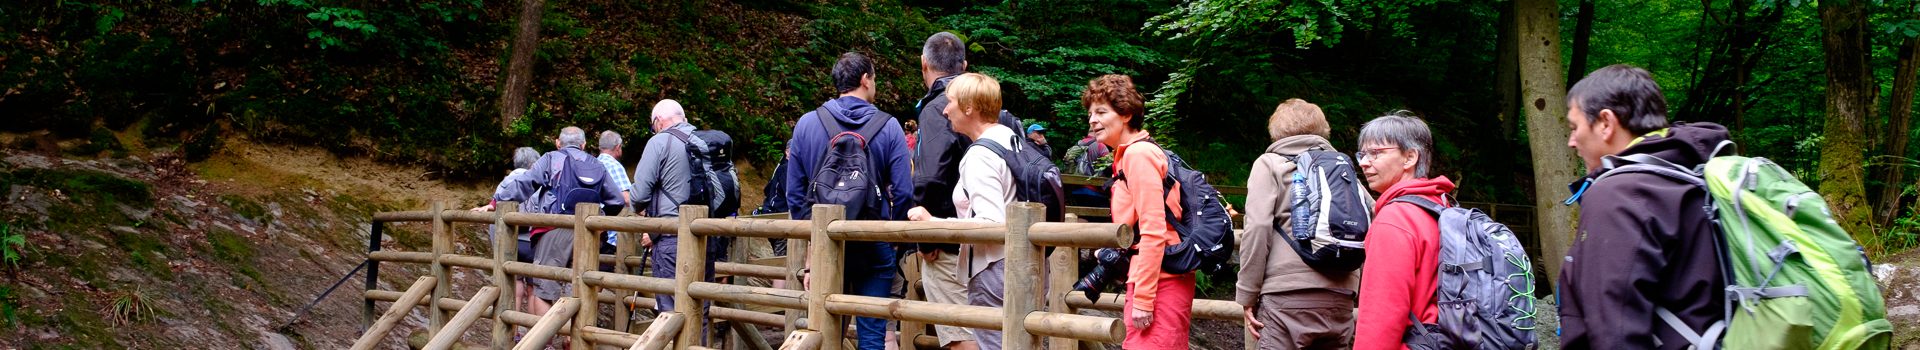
(524, 157)
(1404, 130)
(609, 140)
(669, 111)
(945, 53)
(572, 136)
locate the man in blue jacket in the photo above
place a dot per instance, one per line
(870, 266)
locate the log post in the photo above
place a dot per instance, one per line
(542, 331)
(399, 309)
(796, 260)
(506, 248)
(824, 264)
(801, 340)
(1022, 266)
(1065, 267)
(623, 247)
(442, 246)
(910, 269)
(586, 257)
(661, 332)
(367, 311)
(459, 323)
(691, 266)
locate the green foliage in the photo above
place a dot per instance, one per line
(96, 189)
(247, 208)
(330, 19)
(129, 307)
(13, 245)
(9, 305)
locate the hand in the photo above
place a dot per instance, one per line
(646, 240)
(919, 214)
(1142, 319)
(1253, 325)
(488, 207)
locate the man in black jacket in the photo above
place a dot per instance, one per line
(936, 168)
(1645, 242)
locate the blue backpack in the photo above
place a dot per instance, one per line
(579, 181)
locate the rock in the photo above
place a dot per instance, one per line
(31, 198)
(136, 214)
(92, 245)
(276, 341)
(125, 230)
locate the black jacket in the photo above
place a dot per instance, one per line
(1644, 240)
(936, 157)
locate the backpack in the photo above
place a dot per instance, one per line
(847, 174)
(1330, 211)
(579, 181)
(1485, 294)
(775, 192)
(1035, 178)
(713, 182)
(1205, 228)
(1795, 278)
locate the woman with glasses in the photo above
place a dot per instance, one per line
(1403, 244)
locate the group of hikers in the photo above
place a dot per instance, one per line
(1363, 250)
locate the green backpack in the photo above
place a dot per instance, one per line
(1796, 279)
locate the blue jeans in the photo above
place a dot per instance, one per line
(872, 282)
(665, 255)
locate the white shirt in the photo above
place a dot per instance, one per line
(983, 194)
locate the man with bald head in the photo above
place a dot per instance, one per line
(553, 185)
(661, 182)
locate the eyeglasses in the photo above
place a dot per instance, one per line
(1369, 153)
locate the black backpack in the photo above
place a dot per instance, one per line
(1330, 211)
(848, 175)
(1206, 230)
(1035, 178)
(579, 181)
(714, 182)
(1485, 289)
(775, 193)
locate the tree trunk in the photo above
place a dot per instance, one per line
(1507, 74)
(1849, 98)
(526, 40)
(1582, 31)
(1737, 45)
(1899, 129)
(1541, 82)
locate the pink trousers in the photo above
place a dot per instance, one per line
(1172, 316)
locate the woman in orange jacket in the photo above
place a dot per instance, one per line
(1159, 304)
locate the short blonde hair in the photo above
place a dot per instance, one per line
(977, 91)
(1297, 117)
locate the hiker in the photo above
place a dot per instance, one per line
(936, 172)
(523, 158)
(985, 189)
(1403, 242)
(1288, 304)
(913, 132)
(882, 193)
(1159, 305)
(1034, 133)
(1642, 240)
(661, 181)
(1084, 154)
(553, 185)
(610, 150)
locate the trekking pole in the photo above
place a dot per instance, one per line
(297, 316)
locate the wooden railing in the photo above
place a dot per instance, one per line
(1030, 312)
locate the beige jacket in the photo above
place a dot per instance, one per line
(1268, 264)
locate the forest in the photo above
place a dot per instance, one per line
(1825, 88)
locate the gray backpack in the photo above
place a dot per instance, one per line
(1485, 293)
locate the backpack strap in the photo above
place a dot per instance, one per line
(1707, 340)
(1422, 202)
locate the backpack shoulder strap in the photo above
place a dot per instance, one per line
(1428, 205)
(685, 138)
(873, 127)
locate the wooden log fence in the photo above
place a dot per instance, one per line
(1034, 314)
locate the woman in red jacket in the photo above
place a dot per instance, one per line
(1403, 245)
(1158, 304)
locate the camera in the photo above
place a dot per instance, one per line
(1110, 264)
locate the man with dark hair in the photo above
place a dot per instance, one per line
(1644, 245)
(936, 170)
(870, 266)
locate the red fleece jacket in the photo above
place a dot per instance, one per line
(1403, 257)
